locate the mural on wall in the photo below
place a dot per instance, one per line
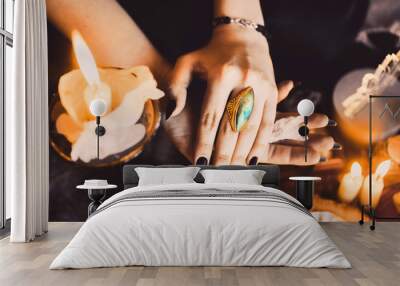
(138, 59)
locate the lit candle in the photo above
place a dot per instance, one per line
(376, 186)
(125, 92)
(96, 88)
(351, 183)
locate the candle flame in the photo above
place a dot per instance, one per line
(356, 170)
(383, 168)
(85, 59)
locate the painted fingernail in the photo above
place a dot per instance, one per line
(304, 131)
(253, 161)
(337, 146)
(322, 159)
(202, 161)
(332, 123)
(171, 105)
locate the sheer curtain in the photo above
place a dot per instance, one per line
(27, 124)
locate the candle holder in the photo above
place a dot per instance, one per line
(62, 145)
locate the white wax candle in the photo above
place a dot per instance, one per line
(377, 188)
(377, 185)
(351, 183)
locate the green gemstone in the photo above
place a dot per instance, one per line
(245, 108)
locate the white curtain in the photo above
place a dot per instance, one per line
(27, 124)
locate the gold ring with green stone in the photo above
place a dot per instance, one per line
(239, 108)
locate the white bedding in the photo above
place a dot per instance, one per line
(183, 231)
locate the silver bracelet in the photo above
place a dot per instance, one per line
(224, 20)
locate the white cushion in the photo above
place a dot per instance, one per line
(165, 176)
(248, 177)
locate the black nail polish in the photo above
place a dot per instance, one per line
(337, 146)
(171, 105)
(322, 159)
(332, 123)
(253, 161)
(202, 161)
(304, 131)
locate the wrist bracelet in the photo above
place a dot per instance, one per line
(242, 22)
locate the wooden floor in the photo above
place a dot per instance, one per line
(375, 257)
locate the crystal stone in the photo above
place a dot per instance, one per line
(244, 108)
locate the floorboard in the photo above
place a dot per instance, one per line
(375, 257)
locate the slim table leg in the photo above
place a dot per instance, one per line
(373, 214)
(361, 221)
(96, 196)
(305, 193)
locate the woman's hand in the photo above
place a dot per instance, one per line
(235, 58)
(286, 145)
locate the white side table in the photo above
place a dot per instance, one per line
(96, 194)
(305, 189)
